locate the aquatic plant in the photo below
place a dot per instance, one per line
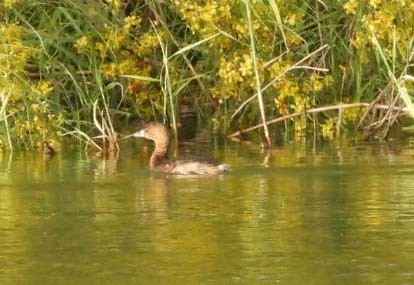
(237, 62)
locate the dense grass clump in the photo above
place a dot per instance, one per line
(78, 67)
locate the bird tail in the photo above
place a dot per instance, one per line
(225, 168)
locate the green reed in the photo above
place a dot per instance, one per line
(75, 67)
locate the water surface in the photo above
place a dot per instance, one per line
(299, 214)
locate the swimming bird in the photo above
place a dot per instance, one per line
(160, 162)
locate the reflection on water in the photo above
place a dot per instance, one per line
(300, 214)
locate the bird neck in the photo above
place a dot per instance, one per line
(159, 155)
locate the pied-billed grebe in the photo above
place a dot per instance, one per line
(160, 162)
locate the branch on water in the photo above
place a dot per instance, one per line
(318, 110)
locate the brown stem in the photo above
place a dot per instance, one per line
(318, 110)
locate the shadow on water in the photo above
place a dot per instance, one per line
(292, 215)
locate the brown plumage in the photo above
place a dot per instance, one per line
(160, 162)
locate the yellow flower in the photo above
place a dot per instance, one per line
(246, 68)
(82, 45)
(293, 39)
(13, 52)
(127, 66)
(110, 70)
(202, 18)
(116, 39)
(328, 80)
(316, 83)
(374, 3)
(44, 88)
(351, 7)
(116, 4)
(242, 29)
(10, 3)
(11, 33)
(293, 19)
(131, 22)
(146, 44)
(101, 49)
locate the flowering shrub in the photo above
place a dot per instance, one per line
(58, 58)
(26, 110)
(236, 81)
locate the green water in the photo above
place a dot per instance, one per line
(302, 214)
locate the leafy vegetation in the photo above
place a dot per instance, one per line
(73, 67)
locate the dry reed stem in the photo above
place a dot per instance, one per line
(106, 130)
(297, 65)
(257, 76)
(318, 110)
